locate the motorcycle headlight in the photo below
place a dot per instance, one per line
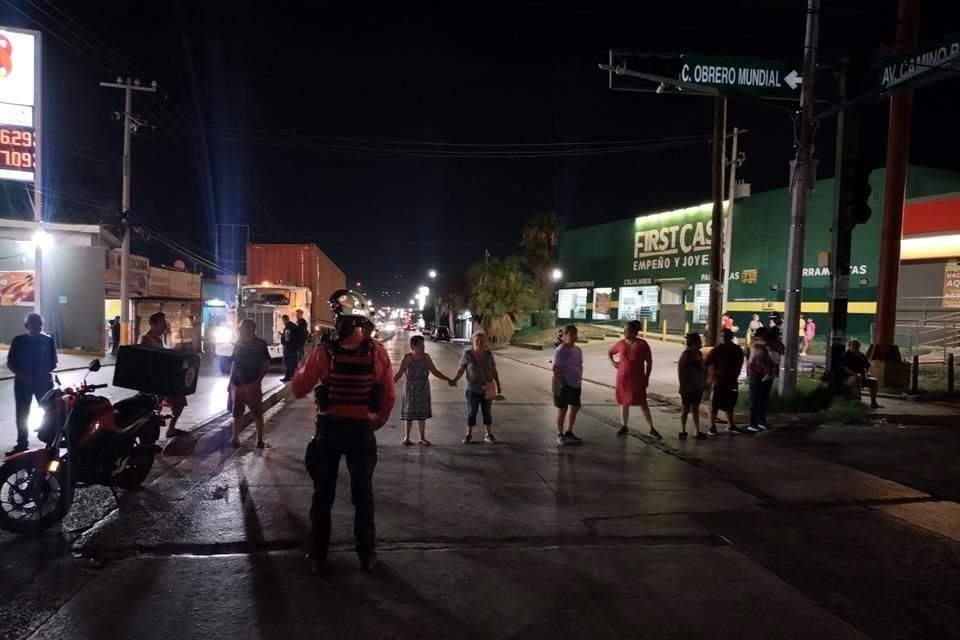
(222, 335)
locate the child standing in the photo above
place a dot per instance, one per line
(567, 378)
(418, 366)
(691, 375)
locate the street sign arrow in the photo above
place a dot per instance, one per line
(793, 79)
(758, 77)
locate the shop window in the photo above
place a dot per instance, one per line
(602, 298)
(572, 304)
(638, 303)
(701, 303)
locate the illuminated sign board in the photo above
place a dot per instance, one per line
(18, 101)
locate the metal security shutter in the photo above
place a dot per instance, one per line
(142, 311)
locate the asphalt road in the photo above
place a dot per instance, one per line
(781, 535)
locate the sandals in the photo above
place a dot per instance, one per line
(682, 435)
(426, 442)
(406, 442)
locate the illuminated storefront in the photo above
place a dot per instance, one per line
(656, 267)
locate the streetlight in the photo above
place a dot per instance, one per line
(556, 275)
(432, 273)
(412, 302)
(42, 240)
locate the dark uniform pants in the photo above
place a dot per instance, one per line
(290, 355)
(337, 437)
(24, 391)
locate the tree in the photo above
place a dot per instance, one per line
(499, 292)
(541, 239)
(453, 297)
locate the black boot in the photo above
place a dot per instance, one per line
(316, 565)
(368, 561)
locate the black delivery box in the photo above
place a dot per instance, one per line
(159, 371)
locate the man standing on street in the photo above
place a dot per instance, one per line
(115, 336)
(251, 361)
(290, 341)
(32, 359)
(153, 339)
(354, 399)
(567, 379)
(726, 360)
(304, 333)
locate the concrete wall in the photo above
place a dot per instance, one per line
(74, 297)
(14, 256)
(74, 272)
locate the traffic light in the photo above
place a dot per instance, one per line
(857, 191)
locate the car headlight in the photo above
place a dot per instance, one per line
(222, 335)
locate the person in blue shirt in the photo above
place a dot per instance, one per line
(567, 378)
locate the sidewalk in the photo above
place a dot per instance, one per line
(67, 362)
(664, 386)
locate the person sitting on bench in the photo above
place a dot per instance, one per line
(856, 368)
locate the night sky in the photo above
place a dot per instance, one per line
(287, 118)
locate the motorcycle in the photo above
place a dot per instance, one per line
(87, 441)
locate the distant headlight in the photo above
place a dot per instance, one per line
(222, 335)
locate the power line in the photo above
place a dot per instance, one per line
(439, 153)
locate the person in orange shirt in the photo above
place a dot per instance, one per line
(354, 398)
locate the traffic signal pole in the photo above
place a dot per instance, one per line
(884, 348)
(716, 223)
(800, 191)
(847, 158)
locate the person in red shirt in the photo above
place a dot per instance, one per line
(354, 398)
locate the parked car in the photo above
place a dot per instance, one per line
(441, 334)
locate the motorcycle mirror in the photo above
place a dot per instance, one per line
(56, 380)
(94, 365)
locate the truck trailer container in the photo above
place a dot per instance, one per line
(299, 265)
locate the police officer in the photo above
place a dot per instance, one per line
(354, 398)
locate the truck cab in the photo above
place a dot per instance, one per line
(265, 304)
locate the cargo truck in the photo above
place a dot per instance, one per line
(283, 278)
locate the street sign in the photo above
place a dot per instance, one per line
(921, 65)
(758, 77)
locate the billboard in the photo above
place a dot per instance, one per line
(16, 288)
(19, 75)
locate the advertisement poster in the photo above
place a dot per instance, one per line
(16, 288)
(951, 285)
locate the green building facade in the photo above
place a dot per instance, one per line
(656, 267)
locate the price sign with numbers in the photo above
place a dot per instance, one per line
(19, 77)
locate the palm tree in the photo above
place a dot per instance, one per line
(499, 292)
(541, 239)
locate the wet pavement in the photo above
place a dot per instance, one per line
(814, 534)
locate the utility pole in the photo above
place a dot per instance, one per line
(800, 187)
(716, 222)
(128, 123)
(883, 350)
(728, 226)
(38, 181)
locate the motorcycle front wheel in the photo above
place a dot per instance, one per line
(29, 506)
(138, 465)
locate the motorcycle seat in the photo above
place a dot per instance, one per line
(128, 410)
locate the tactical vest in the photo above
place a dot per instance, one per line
(351, 383)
